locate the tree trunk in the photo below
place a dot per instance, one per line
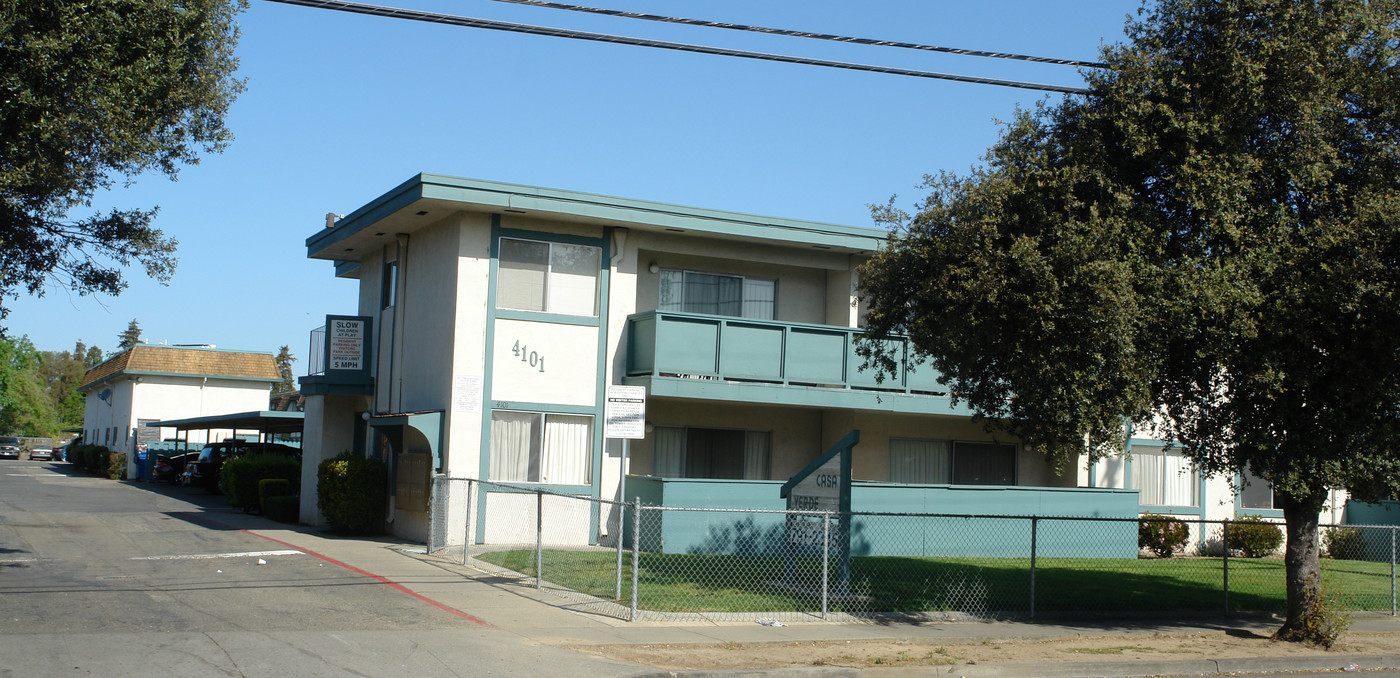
(1302, 573)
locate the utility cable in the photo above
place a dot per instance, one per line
(468, 22)
(804, 34)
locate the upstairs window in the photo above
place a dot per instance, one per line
(548, 277)
(1164, 477)
(717, 294)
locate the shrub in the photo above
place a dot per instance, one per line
(76, 455)
(269, 488)
(116, 465)
(1344, 543)
(284, 508)
(1253, 537)
(351, 491)
(240, 476)
(1162, 535)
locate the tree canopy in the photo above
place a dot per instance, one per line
(1205, 244)
(94, 92)
(39, 389)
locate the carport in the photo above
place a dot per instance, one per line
(266, 423)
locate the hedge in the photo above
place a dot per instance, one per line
(241, 476)
(351, 491)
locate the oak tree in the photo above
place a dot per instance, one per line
(1208, 242)
(93, 93)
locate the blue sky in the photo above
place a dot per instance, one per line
(339, 108)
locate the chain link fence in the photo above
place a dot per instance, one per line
(639, 562)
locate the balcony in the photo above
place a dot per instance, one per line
(723, 358)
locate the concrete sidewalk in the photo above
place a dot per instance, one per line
(507, 604)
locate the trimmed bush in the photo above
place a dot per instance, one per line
(1253, 537)
(1162, 535)
(351, 491)
(1344, 543)
(116, 465)
(241, 476)
(269, 488)
(285, 508)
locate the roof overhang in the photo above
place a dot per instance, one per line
(267, 421)
(426, 198)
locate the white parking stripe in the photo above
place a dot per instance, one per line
(206, 556)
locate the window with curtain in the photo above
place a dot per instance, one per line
(548, 277)
(928, 462)
(1164, 477)
(717, 294)
(1257, 493)
(941, 462)
(534, 447)
(679, 452)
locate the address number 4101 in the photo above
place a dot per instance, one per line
(533, 358)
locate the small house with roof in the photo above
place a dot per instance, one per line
(149, 383)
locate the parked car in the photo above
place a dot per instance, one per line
(38, 453)
(203, 471)
(170, 468)
(10, 447)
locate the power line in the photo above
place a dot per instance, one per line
(804, 34)
(468, 22)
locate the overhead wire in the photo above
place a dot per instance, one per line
(804, 34)
(487, 24)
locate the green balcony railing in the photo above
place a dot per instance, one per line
(668, 344)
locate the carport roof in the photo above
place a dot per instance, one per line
(267, 421)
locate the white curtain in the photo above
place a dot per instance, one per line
(668, 452)
(1179, 481)
(573, 279)
(920, 461)
(512, 437)
(523, 266)
(568, 445)
(759, 298)
(756, 455)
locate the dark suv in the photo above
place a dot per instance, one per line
(204, 471)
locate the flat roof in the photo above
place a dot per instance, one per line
(267, 421)
(426, 198)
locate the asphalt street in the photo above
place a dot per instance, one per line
(100, 578)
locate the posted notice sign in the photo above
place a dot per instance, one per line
(625, 415)
(345, 339)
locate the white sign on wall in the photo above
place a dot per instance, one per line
(625, 414)
(466, 393)
(346, 339)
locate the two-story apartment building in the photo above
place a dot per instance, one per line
(493, 317)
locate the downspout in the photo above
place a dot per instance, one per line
(400, 312)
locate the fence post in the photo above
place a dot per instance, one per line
(1225, 546)
(617, 590)
(435, 513)
(1393, 530)
(636, 542)
(1034, 529)
(539, 538)
(826, 560)
(468, 516)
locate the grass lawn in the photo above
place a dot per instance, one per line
(721, 583)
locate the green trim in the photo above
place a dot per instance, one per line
(397, 198)
(801, 396)
(540, 317)
(594, 488)
(494, 197)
